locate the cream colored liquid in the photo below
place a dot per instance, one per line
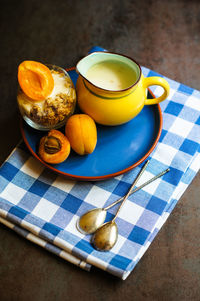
(111, 75)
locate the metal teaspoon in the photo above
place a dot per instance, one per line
(106, 236)
(90, 221)
(93, 219)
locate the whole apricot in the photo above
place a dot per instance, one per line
(81, 131)
(54, 148)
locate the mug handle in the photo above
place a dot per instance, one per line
(159, 81)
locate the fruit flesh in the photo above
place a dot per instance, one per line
(35, 79)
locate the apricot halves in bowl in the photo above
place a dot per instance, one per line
(54, 148)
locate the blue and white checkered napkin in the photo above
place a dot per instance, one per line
(44, 207)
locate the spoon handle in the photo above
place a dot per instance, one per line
(129, 192)
(139, 187)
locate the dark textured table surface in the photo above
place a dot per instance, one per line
(161, 35)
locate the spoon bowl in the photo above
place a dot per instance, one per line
(91, 220)
(105, 237)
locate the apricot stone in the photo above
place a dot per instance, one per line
(81, 132)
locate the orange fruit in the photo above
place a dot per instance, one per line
(81, 132)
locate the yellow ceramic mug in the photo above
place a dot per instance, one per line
(112, 89)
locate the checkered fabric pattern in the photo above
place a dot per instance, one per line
(44, 207)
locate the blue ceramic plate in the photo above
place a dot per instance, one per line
(119, 148)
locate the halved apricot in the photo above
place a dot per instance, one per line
(54, 148)
(35, 79)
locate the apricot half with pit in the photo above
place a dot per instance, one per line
(81, 131)
(54, 148)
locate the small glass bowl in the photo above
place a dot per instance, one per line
(53, 112)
